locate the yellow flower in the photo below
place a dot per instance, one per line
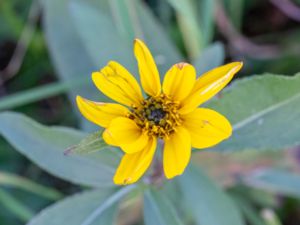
(169, 112)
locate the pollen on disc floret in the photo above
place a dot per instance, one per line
(158, 116)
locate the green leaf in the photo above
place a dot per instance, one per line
(45, 146)
(67, 49)
(207, 202)
(276, 181)
(15, 206)
(37, 94)
(211, 57)
(75, 209)
(164, 51)
(189, 26)
(93, 22)
(11, 180)
(158, 210)
(121, 13)
(264, 111)
(251, 214)
(82, 37)
(235, 11)
(206, 10)
(109, 202)
(259, 197)
(92, 143)
(68, 52)
(99, 35)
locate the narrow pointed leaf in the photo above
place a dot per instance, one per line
(189, 26)
(15, 181)
(14, 206)
(276, 181)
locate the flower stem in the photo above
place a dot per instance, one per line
(157, 177)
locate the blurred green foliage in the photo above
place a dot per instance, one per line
(71, 38)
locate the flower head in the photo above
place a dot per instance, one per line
(169, 112)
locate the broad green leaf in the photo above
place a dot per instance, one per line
(45, 146)
(90, 144)
(75, 209)
(207, 202)
(264, 111)
(15, 181)
(276, 181)
(211, 57)
(15, 206)
(158, 210)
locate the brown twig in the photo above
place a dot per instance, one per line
(16, 61)
(238, 41)
(288, 8)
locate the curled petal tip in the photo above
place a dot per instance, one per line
(240, 64)
(181, 65)
(137, 40)
(79, 99)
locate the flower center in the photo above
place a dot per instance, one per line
(157, 115)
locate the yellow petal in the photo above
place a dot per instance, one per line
(118, 84)
(147, 68)
(207, 127)
(177, 152)
(133, 166)
(100, 113)
(179, 81)
(137, 145)
(209, 84)
(108, 138)
(125, 133)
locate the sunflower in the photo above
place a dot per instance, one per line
(167, 112)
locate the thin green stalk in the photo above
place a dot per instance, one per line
(108, 203)
(270, 217)
(15, 206)
(188, 24)
(132, 6)
(37, 94)
(12, 180)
